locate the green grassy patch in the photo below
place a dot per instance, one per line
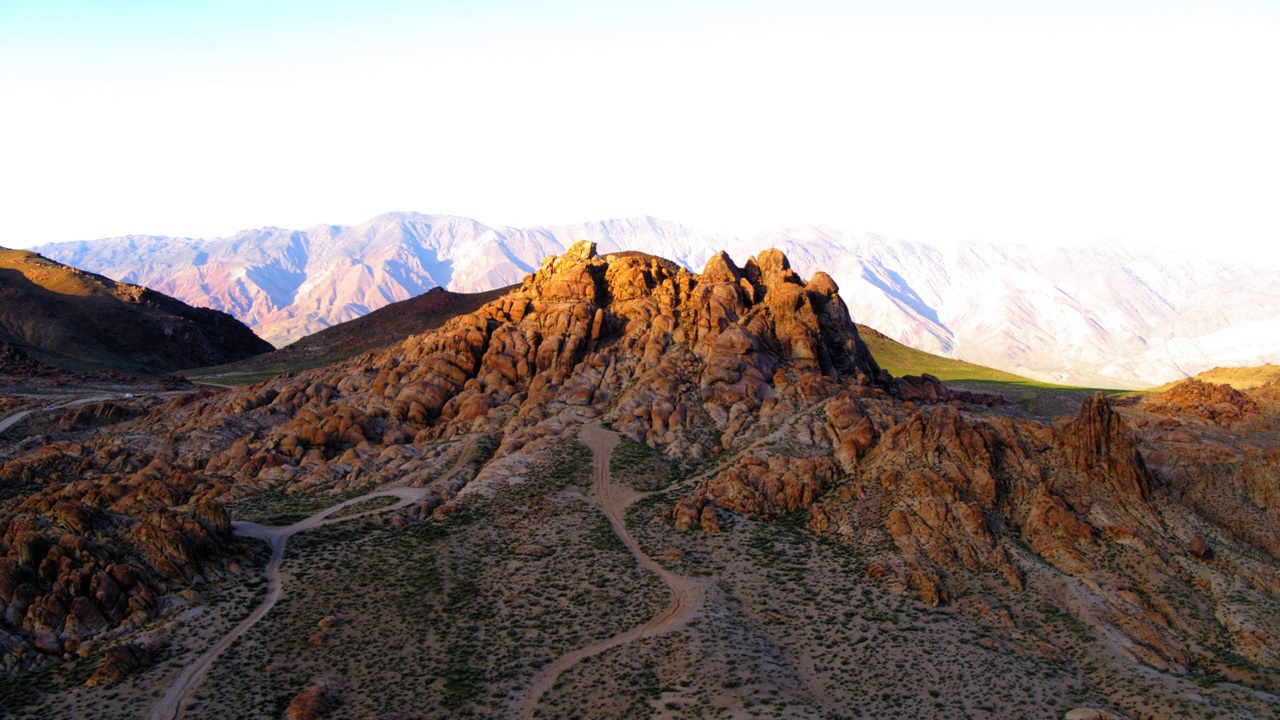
(901, 360)
(1037, 398)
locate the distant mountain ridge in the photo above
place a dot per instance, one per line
(1099, 315)
(1092, 316)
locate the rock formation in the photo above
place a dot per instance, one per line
(750, 378)
(118, 662)
(312, 703)
(1210, 402)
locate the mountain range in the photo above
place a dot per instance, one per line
(1101, 315)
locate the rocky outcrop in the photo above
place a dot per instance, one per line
(1205, 401)
(119, 662)
(87, 557)
(761, 485)
(97, 414)
(925, 389)
(693, 363)
(1100, 444)
(313, 702)
(15, 361)
(1200, 548)
(748, 377)
(963, 494)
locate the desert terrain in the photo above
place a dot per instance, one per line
(628, 490)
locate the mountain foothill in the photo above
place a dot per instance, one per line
(79, 321)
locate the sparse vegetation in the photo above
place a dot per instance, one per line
(847, 553)
(378, 329)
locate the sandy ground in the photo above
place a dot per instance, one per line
(687, 594)
(173, 704)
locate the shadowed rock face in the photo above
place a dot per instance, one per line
(947, 500)
(84, 321)
(1099, 443)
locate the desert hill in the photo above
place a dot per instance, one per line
(384, 326)
(77, 320)
(1240, 378)
(625, 489)
(902, 359)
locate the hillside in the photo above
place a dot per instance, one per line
(901, 360)
(1240, 378)
(78, 320)
(624, 489)
(380, 328)
(1103, 316)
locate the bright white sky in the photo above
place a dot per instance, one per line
(1147, 122)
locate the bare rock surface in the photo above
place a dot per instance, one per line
(1206, 401)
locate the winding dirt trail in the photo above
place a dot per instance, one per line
(174, 703)
(687, 594)
(13, 419)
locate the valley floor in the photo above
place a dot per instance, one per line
(544, 602)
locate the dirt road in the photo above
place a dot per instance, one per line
(174, 702)
(13, 419)
(687, 594)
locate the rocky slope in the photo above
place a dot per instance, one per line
(385, 326)
(1240, 378)
(1098, 316)
(1121, 537)
(78, 320)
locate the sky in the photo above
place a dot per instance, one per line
(1031, 122)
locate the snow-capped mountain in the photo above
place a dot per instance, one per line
(1100, 316)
